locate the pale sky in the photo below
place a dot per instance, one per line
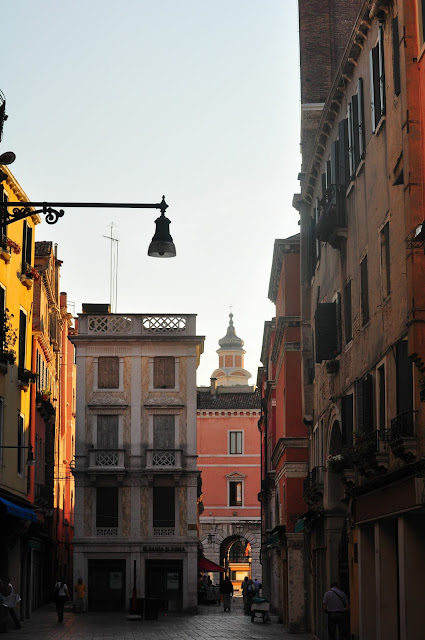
(126, 101)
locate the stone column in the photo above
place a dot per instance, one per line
(295, 589)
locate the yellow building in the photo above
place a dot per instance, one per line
(16, 431)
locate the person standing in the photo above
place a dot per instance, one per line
(337, 607)
(226, 589)
(61, 596)
(80, 594)
(10, 600)
(257, 587)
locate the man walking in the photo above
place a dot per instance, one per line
(226, 589)
(337, 607)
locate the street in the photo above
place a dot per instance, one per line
(211, 622)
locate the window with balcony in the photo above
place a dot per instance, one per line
(107, 441)
(377, 80)
(164, 375)
(235, 442)
(327, 331)
(164, 440)
(164, 510)
(235, 493)
(108, 372)
(106, 511)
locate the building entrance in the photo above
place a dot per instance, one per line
(164, 582)
(106, 585)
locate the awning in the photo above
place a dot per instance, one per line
(19, 512)
(208, 565)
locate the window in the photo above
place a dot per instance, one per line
(22, 338)
(235, 441)
(347, 420)
(164, 432)
(356, 141)
(348, 322)
(164, 507)
(107, 507)
(381, 398)
(107, 432)
(385, 260)
(404, 379)
(364, 286)
(164, 376)
(21, 444)
(108, 372)
(343, 160)
(27, 234)
(235, 494)
(396, 56)
(326, 331)
(421, 23)
(377, 80)
(365, 404)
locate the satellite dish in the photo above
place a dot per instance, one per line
(7, 157)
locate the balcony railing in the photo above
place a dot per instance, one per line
(314, 480)
(402, 426)
(163, 458)
(332, 218)
(137, 325)
(106, 531)
(106, 458)
(163, 531)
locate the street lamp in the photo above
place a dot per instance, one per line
(162, 245)
(30, 461)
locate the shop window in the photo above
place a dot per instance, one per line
(164, 375)
(235, 442)
(108, 372)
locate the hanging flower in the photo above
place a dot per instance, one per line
(32, 273)
(14, 246)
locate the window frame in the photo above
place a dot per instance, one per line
(385, 260)
(97, 371)
(153, 386)
(232, 434)
(377, 81)
(364, 291)
(234, 481)
(20, 463)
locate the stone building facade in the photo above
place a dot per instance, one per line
(136, 474)
(362, 268)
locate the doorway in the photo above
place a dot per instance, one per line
(106, 585)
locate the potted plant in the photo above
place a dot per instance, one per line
(332, 366)
(340, 461)
(45, 394)
(32, 273)
(13, 246)
(8, 338)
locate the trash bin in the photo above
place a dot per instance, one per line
(152, 608)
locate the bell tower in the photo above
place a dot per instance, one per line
(231, 354)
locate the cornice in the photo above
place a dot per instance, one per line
(281, 247)
(288, 443)
(267, 333)
(283, 323)
(13, 185)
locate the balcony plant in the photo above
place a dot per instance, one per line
(8, 338)
(32, 273)
(340, 461)
(332, 366)
(13, 246)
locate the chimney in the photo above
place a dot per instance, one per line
(213, 386)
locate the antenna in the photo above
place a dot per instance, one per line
(113, 271)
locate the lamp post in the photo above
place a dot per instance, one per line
(161, 246)
(30, 461)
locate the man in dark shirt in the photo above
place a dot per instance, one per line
(336, 605)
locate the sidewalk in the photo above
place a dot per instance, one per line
(211, 623)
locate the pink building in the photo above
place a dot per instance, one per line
(229, 459)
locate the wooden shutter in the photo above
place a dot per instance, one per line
(28, 247)
(338, 322)
(359, 405)
(108, 372)
(164, 501)
(360, 104)
(343, 164)
(164, 432)
(364, 290)
(313, 246)
(318, 242)
(350, 139)
(164, 372)
(107, 507)
(382, 399)
(325, 331)
(396, 56)
(355, 115)
(22, 338)
(375, 100)
(347, 420)
(24, 246)
(368, 404)
(381, 72)
(348, 313)
(404, 378)
(107, 432)
(334, 162)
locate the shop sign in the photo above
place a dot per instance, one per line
(115, 580)
(172, 580)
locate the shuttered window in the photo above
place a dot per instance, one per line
(164, 432)
(364, 284)
(22, 338)
(404, 378)
(385, 260)
(356, 143)
(348, 323)
(235, 494)
(235, 442)
(326, 333)
(164, 372)
(164, 507)
(107, 432)
(107, 507)
(396, 56)
(365, 404)
(347, 420)
(343, 162)
(27, 234)
(377, 80)
(381, 400)
(108, 372)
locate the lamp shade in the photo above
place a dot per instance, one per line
(162, 245)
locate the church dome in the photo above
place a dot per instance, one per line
(231, 340)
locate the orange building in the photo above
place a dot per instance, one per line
(284, 441)
(229, 459)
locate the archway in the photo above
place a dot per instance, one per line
(235, 557)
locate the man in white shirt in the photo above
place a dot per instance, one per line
(336, 605)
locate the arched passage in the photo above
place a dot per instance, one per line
(235, 557)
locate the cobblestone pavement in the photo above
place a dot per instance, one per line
(211, 623)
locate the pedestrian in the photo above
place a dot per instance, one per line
(336, 606)
(61, 596)
(80, 594)
(257, 587)
(248, 593)
(10, 600)
(226, 589)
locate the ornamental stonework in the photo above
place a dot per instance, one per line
(88, 510)
(126, 511)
